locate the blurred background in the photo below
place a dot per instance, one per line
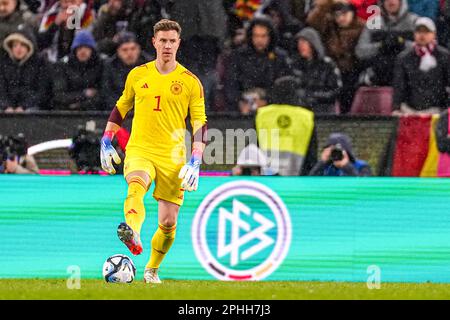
(355, 87)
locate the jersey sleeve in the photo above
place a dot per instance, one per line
(126, 100)
(197, 110)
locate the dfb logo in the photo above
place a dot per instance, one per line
(241, 231)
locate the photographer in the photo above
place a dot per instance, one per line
(85, 149)
(337, 159)
(14, 158)
(252, 161)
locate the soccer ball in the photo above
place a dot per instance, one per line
(119, 269)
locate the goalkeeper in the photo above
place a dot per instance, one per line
(163, 93)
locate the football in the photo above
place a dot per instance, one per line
(119, 268)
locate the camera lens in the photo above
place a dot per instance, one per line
(337, 153)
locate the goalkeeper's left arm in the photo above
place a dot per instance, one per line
(191, 171)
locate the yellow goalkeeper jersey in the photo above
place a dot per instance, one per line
(161, 104)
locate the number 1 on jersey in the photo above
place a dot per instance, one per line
(158, 98)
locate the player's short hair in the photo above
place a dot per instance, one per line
(166, 25)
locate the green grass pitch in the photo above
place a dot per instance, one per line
(216, 290)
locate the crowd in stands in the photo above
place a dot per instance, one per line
(75, 54)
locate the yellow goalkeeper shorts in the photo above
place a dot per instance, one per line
(162, 171)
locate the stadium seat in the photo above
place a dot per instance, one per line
(373, 100)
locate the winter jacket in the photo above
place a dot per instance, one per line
(352, 169)
(200, 17)
(248, 68)
(369, 44)
(113, 80)
(340, 43)
(142, 21)
(419, 89)
(72, 78)
(424, 8)
(107, 25)
(319, 78)
(199, 54)
(355, 167)
(23, 83)
(288, 25)
(11, 23)
(378, 46)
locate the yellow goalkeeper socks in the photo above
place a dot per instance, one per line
(133, 207)
(161, 242)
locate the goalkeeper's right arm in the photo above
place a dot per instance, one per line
(123, 106)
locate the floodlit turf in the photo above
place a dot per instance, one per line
(212, 290)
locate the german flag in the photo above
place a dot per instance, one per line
(416, 153)
(245, 9)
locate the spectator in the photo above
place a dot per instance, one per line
(202, 39)
(257, 65)
(200, 55)
(24, 83)
(78, 76)
(285, 91)
(378, 47)
(286, 25)
(243, 11)
(128, 55)
(363, 8)
(237, 40)
(252, 161)
(337, 159)
(210, 18)
(11, 17)
(319, 78)
(422, 73)
(251, 100)
(144, 18)
(285, 94)
(301, 8)
(112, 18)
(425, 8)
(58, 27)
(340, 29)
(286, 134)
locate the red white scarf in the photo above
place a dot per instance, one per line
(427, 59)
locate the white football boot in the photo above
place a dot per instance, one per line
(151, 276)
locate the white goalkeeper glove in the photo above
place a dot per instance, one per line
(108, 153)
(190, 172)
